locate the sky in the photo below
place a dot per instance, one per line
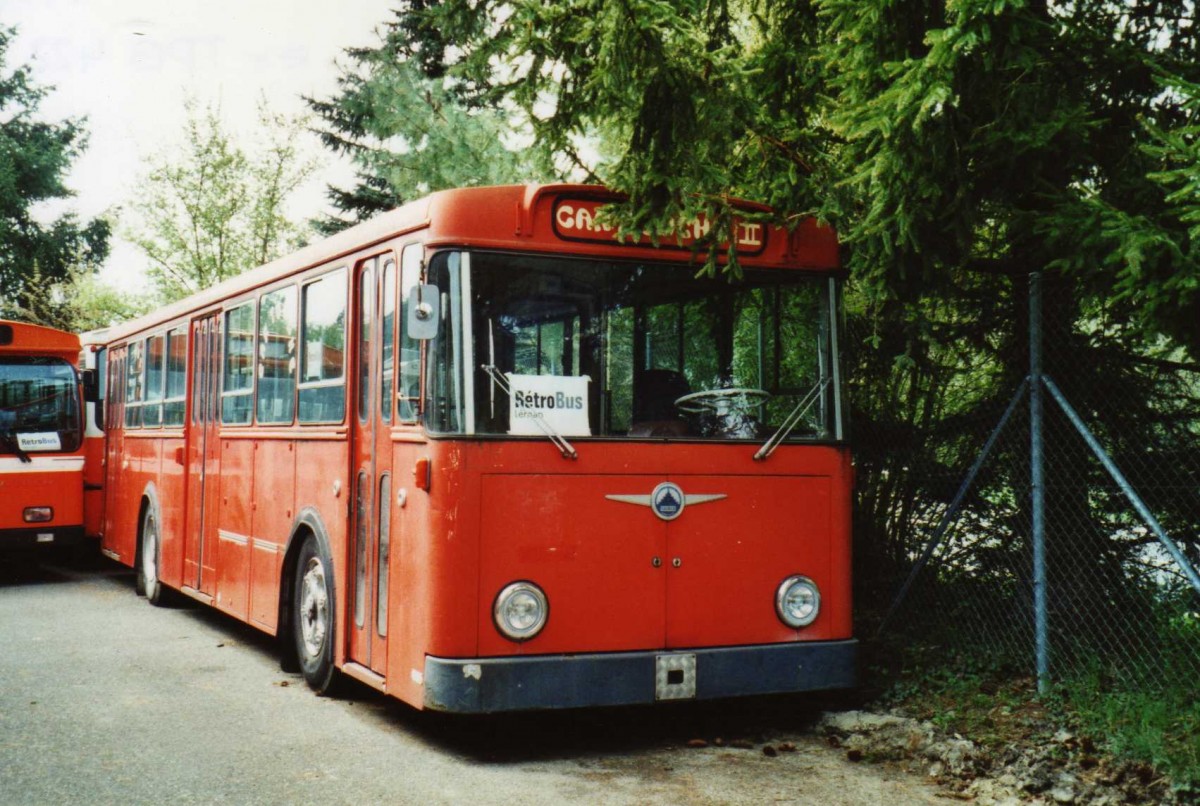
(128, 66)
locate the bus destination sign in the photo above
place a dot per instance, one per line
(576, 220)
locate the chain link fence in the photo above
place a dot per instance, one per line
(946, 489)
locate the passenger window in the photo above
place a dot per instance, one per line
(134, 370)
(152, 410)
(409, 393)
(322, 364)
(366, 310)
(114, 411)
(239, 361)
(277, 356)
(173, 405)
(98, 415)
(388, 325)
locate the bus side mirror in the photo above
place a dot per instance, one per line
(91, 385)
(422, 316)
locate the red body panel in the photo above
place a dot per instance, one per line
(274, 486)
(541, 518)
(54, 481)
(93, 485)
(560, 532)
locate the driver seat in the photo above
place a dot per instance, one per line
(654, 394)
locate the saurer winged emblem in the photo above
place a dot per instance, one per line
(667, 500)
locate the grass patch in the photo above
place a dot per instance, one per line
(1155, 723)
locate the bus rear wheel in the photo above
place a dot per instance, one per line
(313, 616)
(148, 581)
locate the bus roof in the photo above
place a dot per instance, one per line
(527, 218)
(22, 338)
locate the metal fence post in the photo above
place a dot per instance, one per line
(1037, 483)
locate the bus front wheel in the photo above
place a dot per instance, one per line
(313, 616)
(148, 581)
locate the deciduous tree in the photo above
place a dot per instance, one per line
(213, 209)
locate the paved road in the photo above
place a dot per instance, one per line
(105, 699)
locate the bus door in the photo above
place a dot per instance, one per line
(370, 455)
(203, 457)
(114, 444)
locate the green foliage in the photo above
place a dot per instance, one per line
(75, 301)
(35, 156)
(938, 138)
(213, 210)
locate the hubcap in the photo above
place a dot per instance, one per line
(314, 608)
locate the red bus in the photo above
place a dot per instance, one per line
(41, 437)
(482, 456)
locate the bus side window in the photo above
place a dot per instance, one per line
(114, 417)
(133, 384)
(176, 381)
(238, 387)
(409, 391)
(152, 410)
(387, 338)
(322, 397)
(277, 356)
(102, 381)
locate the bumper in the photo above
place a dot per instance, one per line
(484, 685)
(13, 539)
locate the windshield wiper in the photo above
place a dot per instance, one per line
(792, 420)
(559, 441)
(9, 439)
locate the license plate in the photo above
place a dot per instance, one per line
(675, 677)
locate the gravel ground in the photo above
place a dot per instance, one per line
(104, 699)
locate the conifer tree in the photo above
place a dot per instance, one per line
(35, 156)
(409, 132)
(955, 147)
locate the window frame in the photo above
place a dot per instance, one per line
(134, 386)
(413, 407)
(301, 384)
(258, 348)
(177, 402)
(226, 394)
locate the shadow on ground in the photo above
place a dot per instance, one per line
(494, 738)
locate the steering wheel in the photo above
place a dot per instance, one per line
(722, 401)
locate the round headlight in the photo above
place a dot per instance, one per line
(520, 611)
(798, 601)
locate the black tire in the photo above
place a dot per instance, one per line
(149, 556)
(313, 621)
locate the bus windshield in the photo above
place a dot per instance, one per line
(39, 405)
(629, 350)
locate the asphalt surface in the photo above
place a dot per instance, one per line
(106, 699)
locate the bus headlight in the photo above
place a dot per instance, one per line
(520, 611)
(798, 601)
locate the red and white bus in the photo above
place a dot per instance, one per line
(482, 456)
(41, 437)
